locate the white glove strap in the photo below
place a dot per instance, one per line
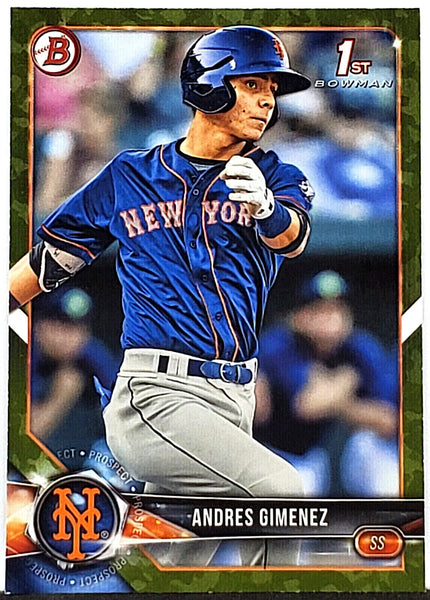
(267, 206)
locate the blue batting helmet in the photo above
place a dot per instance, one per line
(325, 285)
(229, 52)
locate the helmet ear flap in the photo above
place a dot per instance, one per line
(208, 98)
(201, 89)
(231, 95)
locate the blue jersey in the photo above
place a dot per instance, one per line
(194, 271)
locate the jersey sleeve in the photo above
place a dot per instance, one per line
(378, 368)
(291, 187)
(291, 190)
(81, 225)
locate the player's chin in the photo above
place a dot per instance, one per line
(254, 133)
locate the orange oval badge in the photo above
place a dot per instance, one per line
(378, 542)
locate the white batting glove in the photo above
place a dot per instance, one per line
(242, 175)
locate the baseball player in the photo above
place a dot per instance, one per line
(203, 225)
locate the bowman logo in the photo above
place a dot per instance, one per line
(76, 518)
(55, 50)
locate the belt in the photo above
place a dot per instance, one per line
(229, 372)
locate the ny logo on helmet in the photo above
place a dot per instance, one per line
(82, 524)
(279, 48)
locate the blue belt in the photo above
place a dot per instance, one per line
(230, 372)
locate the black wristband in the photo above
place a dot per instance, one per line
(304, 226)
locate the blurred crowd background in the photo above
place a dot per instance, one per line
(328, 397)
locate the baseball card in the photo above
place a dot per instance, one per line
(215, 302)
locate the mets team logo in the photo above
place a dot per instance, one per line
(76, 518)
(55, 50)
(279, 48)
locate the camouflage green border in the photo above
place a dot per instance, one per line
(27, 457)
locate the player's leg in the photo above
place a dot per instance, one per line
(199, 553)
(198, 443)
(174, 438)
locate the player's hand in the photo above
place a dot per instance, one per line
(242, 175)
(68, 384)
(328, 393)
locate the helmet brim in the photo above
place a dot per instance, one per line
(289, 81)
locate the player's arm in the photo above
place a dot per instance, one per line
(283, 229)
(332, 393)
(293, 239)
(66, 387)
(371, 413)
(80, 227)
(43, 269)
(23, 283)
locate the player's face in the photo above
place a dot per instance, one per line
(50, 336)
(255, 102)
(325, 323)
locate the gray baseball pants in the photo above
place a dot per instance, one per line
(188, 435)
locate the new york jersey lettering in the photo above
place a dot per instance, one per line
(169, 214)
